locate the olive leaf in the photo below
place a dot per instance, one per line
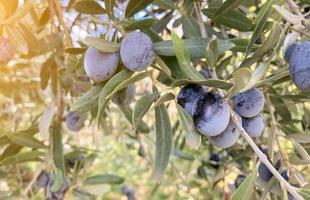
(227, 6)
(88, 100)
(109, 87)
(259, 22)
(25, 140)
(195, 46)
(23, 157)
(57, 148)
(102, 45)
(245, 190)
(142, 106)
(183, 58)
(163, 141)
(135, 6)
(192, 137)
(103, 179)
(89, 7)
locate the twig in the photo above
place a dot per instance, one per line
(294, 7)
(200, 21)
(264, 160)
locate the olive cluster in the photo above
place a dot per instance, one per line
(136, 53)
(212, 117)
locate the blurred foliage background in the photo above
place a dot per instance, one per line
(42, 46)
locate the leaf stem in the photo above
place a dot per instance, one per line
(264, 160)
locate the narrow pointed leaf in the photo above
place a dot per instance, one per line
(183, 58)
(109, 87)
(103, 179)
(192, 137)
(163, 141)
(135, 6)
(226, 7)
(245, 190)
(259, 22)
(88, 101)
(102, 45)
(89, 7)
(142, 106)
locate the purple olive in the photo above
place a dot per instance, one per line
(137, 51)
(254, 126)
(228, 137)
(100, 66)
(300, 67)
(211, 114)
(75, 120)
(187, 96)
(249, 103)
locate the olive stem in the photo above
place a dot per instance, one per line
(263, 158)
(200, 21)
(294, 7)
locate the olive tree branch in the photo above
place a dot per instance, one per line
(294, 7)
(200, 21)
(263, 158)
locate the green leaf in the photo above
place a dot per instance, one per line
(163, 141)
(109, 5)
(142, 106)
(268, 45)
(288, 16)
(25, 140)
(195, 46)
(192, 137)
(165, 4)
(103, 179)
(135, 6)
(245, 190)
(58, 180)
(10, 150)
(72, 50)
(241, 78)
(233, 19)
(161, 24)
(102, 45)
(304, 192)
(212, 53)
(183, 58)
(258, 74)
(89, 7)
(227, 6)
(164, 98)
(23, 157)
(129, 81)
(57, 148)
(210, 82)
(190, 27)
(88, 101)
(145, 23)
(109, 87)
(141, 127)
(259, 22)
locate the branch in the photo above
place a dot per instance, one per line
(294, 7)
(200, 21)
(264, 160)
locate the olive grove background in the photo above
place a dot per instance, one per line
(42, 48)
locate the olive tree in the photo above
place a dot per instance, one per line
(212, 95)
